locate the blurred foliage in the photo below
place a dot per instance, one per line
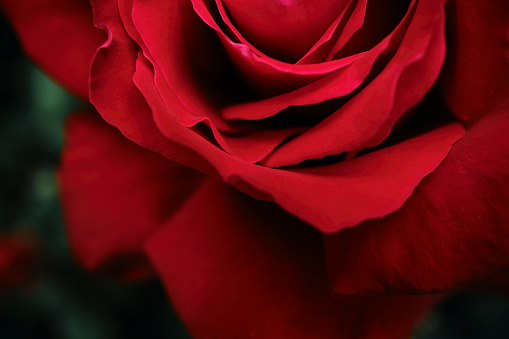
(67, 302)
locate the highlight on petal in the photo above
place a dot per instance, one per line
(115, 194)
(476, 73)
(451, 232)
(59, 36)
(235, 267)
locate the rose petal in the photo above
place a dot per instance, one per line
(59, 36)
(115, 96)
(451, 232)
(250, 146)
(115, 194)
(182, 71)
(289, 9)
(367, 119)
(351, 15)
(354, 23)
(299, 24)
(476, 73)
(188, 99)
(379, 20)
(235, 267)
(353, 73)
(266, 75)
(329, 197)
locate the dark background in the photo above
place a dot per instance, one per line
(65, 302)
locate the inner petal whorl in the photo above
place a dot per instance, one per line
(283, 29)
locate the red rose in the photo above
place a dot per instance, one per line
(170, 75)
(316, 107)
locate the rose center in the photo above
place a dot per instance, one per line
(284, 29)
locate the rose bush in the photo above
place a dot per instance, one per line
(323, 116)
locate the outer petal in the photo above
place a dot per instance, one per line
(452, 231)
(112, 89)
(240, 268)
(476, 73)
(114, 194)
(60, 36)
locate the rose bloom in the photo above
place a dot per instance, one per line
(289, 169)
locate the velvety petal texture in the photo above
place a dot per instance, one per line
(306, 107)
(154, 95)
(59, 36)
(115, 194)
(111, 83)
(450, 233)
(330, 197)
(476, 75)
(235, 267)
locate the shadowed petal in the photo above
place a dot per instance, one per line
(476, 73)
(451, 232)
(115, 194)
(235, 267)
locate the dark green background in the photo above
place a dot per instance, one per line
(69, 303)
